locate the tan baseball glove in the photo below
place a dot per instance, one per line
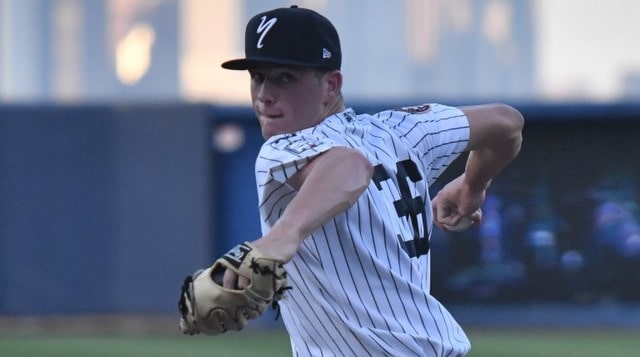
(209, 308)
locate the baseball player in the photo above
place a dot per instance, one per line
(344, 200)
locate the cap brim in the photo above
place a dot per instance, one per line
(238, 64)
(245, 63)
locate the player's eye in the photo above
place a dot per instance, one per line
(257, 77)
(285, 78)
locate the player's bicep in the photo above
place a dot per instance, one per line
(489, 124)
(335, 153)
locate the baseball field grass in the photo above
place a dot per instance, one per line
(486, 343)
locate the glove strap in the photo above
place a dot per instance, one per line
(238, 254)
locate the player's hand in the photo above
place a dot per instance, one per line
(455, 201)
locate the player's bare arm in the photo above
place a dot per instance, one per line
(495, 139)
(327, 186)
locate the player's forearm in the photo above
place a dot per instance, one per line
(335, 182)
(483, 164)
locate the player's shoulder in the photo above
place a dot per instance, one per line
(426, 108)
(420, 112)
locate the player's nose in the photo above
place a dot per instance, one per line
(265, 94)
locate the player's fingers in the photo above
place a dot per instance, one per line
(476, 216)
(243, 282)
(434, 211)
(439, 209)
(230, 279)
(447, 214)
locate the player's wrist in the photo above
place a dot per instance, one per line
(278, 244)
(475, 185)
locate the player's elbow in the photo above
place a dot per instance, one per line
(367, 171)
(513, 119)
(360, 171)
(494, 126)
(513, 126)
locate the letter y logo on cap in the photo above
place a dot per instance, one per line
(264, 27)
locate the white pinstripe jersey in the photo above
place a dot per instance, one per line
(361, 281)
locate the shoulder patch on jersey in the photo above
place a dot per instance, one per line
(298, 147)
(416, 109)
(296, 144)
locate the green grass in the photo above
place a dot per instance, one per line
(489, 343)
(235, 344)
(551, 343)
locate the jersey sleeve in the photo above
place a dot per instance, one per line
(283, 156)
(438, 134)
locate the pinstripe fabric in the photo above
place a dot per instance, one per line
(361, 281)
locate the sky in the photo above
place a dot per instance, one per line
(584, 48)
(587, 45)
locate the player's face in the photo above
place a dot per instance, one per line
(288, 99)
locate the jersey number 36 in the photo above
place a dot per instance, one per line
(409, 207)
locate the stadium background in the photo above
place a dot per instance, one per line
(118, 179)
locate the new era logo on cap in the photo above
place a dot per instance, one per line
(290, 36)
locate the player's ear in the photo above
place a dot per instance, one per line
(334, 82)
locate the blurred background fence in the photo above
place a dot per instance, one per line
(105, 208)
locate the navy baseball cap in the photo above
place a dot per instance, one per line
(290, 36)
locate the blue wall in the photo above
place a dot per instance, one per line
(103, 208)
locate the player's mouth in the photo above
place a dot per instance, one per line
(270, 116)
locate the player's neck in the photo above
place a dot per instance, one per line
(335, 106)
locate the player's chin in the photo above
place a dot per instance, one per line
(267, 133)
(271, 128)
